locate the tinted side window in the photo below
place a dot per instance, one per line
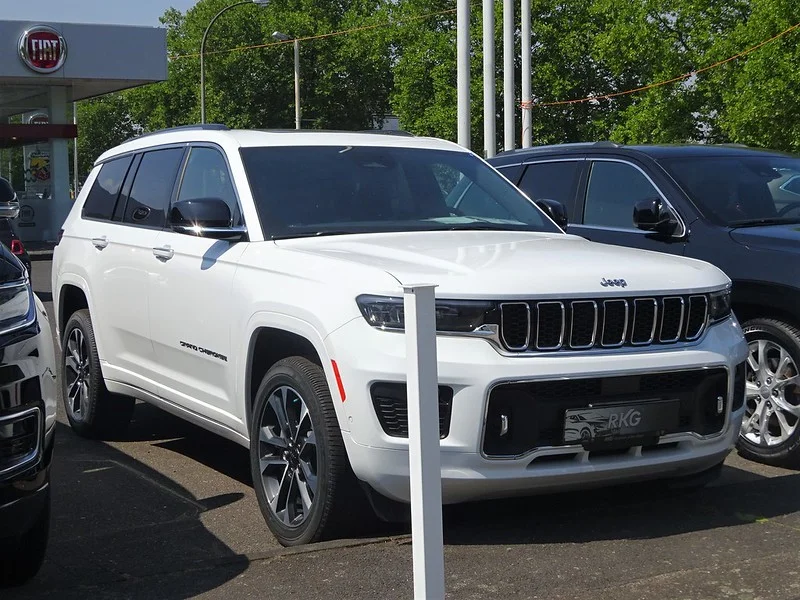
(207, 176)
(793, 185)
(152, 188)
(614, 188)
(553, 180)
(103, 196)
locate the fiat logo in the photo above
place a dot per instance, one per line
(42, 49)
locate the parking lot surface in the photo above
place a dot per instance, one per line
(168, 512)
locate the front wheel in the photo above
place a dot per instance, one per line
(305, 487)
(770, 429)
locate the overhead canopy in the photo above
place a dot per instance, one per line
(94, 60)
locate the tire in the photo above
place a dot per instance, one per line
(92, 410)
(314, 465)
(22, 557)
(772, 342)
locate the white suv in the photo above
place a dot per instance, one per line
(250, 282)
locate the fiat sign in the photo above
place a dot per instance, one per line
(42, 49)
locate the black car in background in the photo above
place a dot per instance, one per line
(27, 418)
(8, 236)
(735, 207)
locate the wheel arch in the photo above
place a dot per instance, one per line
(73, 295)
(752, 299)
(272, 337)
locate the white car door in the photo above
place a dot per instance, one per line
(190, 299)
(120, 265)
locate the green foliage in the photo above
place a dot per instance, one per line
(580, 48)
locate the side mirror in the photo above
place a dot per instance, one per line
(555, 210)
(9, 206)
(205, 217)
(652, 215)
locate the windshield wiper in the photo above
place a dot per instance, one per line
(764, 221)
(305, 234)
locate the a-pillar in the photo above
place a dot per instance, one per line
(60, 202)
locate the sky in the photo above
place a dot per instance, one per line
(124, 12)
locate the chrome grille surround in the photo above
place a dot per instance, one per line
(636, 308)
(544, 305)
(612, 322)
(572, 324)
(504, 307)
(679, 328)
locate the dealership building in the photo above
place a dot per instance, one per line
(44, 69)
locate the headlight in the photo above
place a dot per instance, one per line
(17, 308)
(719, 305)
(385, 312)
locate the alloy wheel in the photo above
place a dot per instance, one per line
(76, 374)
(287, 453)
(772, 395)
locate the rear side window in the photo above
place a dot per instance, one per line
(103, 196)
(152, 188)
(552, 180)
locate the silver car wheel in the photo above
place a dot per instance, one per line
(288, 456)
(76, 374)
(772, 395)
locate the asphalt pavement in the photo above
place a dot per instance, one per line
(168, 512)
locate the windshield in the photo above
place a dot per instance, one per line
(741, 190)
(329, 190)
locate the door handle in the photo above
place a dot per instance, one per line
(100, 242)
(163, 253)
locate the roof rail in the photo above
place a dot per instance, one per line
(606, 144)
(198, 126)
(399, 132)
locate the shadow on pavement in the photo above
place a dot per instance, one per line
(116, 521)
(640, 511)
(636, 511)
(151, 424)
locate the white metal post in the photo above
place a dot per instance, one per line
(425, 465)
(462, 72)
(508, 75)
(525, 49)
(489, 111)
(75, 152)
(296, 83)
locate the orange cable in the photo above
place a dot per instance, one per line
(322, 35)
(531, 104)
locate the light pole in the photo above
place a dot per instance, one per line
(203, 52)
(282, 37)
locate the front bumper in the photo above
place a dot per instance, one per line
(472, 367)
(27, 423)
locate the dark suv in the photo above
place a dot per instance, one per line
(733, 206)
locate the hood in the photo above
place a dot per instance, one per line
(508, 264)
(784, 238)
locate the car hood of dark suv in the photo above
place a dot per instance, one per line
(11, 269)
(785, 238)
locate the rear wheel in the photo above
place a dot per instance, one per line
(92, 410)
(305, 487)
(771, 426)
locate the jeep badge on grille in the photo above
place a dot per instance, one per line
(613, 282)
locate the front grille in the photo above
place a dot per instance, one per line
(523, 416)
(547, 325)
(391, 407)
(19, 439)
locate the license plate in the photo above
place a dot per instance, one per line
(619, 421)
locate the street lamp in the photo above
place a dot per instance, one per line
(203, 51)
(282, 37)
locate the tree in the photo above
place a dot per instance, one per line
(103, 122)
